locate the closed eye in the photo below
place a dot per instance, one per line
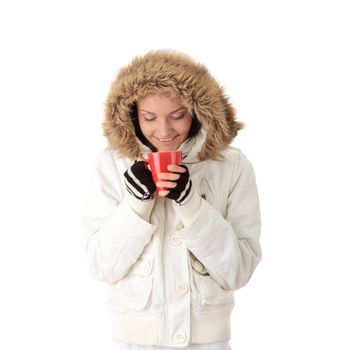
(178, 117)
(149, 119)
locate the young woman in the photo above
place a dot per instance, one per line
(172, 260)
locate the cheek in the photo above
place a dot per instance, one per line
(146, 130)
(185, 128)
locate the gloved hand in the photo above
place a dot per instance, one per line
(178, 182)
(139, 182)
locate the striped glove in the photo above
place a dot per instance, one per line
(183, 190)
(139, 182)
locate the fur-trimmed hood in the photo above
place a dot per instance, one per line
(176, 75)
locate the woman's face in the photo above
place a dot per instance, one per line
(164, 121)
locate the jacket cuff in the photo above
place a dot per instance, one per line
(141, 208)
(189, 211)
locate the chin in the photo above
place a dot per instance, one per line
(167, 148)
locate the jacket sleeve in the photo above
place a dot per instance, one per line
(114, 235)
(228, 245)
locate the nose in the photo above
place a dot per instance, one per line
(165, 128)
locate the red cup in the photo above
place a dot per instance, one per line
(159, 162)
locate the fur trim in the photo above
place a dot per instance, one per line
(175, 74)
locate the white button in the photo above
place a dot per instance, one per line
(175, 240)
(147, 267)
(181, 288)
(180, 337)
(198, 266)
(179, 226)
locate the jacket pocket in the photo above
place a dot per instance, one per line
(210, 292)
(133, 291)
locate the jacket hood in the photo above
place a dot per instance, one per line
(177, 75)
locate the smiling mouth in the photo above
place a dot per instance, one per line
(168, 140)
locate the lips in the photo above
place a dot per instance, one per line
(167, 140)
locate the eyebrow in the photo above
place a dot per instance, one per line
(143, 110)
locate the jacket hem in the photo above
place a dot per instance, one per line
(143, 329)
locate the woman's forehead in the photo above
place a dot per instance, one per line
(159, 102)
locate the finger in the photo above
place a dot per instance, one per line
(168, 176)
(166, 184)
(177, 168)
(163, 193)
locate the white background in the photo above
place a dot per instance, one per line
(285, 65)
